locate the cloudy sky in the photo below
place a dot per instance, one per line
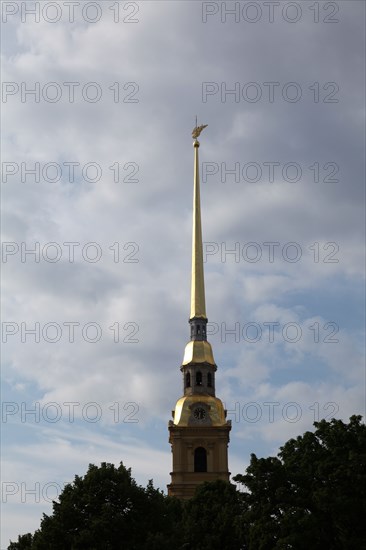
(99, 101)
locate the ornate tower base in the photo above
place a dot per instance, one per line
(199, 454)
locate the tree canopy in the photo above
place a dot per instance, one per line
(312, 495)
(105, 509)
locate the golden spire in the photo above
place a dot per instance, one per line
(198, 350)
(198, 305)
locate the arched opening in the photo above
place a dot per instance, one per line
(200, 460)
(188, 380)
(209, 380)
(199, 378)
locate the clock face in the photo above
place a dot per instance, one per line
(199, 413)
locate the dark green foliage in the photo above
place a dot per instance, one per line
(212, 519)
(24, 543)
(100, 510)
(312, 495)
(106, 510)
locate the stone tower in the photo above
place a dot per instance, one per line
(199, 431)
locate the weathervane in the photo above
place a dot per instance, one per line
(198, 129)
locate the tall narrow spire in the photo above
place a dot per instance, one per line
(198, 304)
(199, 431)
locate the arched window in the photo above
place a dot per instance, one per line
(199, 378)
(188, 380)
(209, 380)
(200, 460)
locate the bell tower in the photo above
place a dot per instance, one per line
(199, 431)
